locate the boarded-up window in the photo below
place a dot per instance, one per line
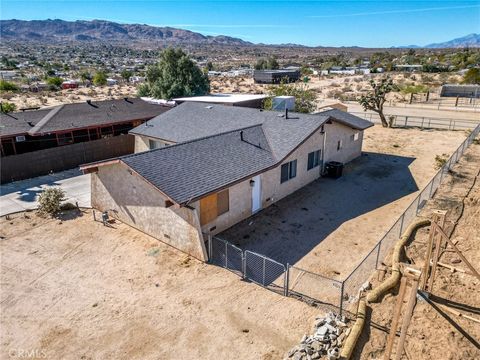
(208, 209)
(223, 202)
(213, 206)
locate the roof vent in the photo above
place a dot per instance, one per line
(208, 107)
(127, 100)
(89, 102)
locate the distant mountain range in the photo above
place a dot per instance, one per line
(471, 40)
(101, 30)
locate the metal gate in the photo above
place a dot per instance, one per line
(264, 271)
(226, 255)
(248, 264)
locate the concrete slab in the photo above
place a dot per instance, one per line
(23, 195)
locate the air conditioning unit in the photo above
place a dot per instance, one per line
(19, 138)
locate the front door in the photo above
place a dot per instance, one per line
(256, 194)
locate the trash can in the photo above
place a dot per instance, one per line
(334, 169)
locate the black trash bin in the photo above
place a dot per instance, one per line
(334, 169)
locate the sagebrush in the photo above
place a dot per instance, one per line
(50, 201)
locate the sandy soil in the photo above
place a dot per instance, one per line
(47, 98)
(74, 289)
(435, 333)
(307, 230)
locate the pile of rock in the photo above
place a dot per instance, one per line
(328, 337)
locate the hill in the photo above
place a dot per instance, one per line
(102, 30)
(471, 40)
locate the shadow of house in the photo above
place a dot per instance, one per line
(289, 229)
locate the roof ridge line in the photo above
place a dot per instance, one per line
(190, 141)
(45, 120)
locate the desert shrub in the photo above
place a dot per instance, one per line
(7, 86)
(50, 201)
(7, 107)
(440, 161)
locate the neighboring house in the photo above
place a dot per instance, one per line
(276, 76)
(223, 165)
(36, 142)
(245, 100)
(466, 91)
(70, 84)
(409, 68)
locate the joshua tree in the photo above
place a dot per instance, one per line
(375, 99)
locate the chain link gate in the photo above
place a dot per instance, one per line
(265, 271)
(247, 264)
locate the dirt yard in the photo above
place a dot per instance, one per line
(74, 289)
(435, 333)
(329, 226)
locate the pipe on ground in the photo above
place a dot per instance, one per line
(376, 294)
(351, 341)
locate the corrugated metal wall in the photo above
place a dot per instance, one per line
(42, 162)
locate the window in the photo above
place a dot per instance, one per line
(313, 159)
(65, 138)
(354, 137)
(288, 171)
(339, 145)
(213, 206)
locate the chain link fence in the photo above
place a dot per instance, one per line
(317, 289)
(421, 121)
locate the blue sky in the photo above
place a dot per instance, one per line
(326, 23)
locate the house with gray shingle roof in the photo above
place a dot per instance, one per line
(201, 168)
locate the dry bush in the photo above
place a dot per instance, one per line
(50, 201)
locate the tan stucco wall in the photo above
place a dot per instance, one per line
(271, 188)
(142, 143)
(350, 149)
(140, 205)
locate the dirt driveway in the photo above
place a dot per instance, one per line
(329, 226)
(74, 289)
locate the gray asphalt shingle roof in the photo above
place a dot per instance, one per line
(78, 115)
(210, 153)
(190, 170)
(191, 120)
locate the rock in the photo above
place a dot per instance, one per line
(292, 351)
(316, 356)
(333, 353)
(304, 338)
(322, 330)
(455, 261)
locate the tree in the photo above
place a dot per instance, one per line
(472, 76)
(305, 98)
(7, 107)
(175, 75)
(267, 64)
(7, 86)
(100, 78)
(126, 75)
(84, 76)
(376, 98)
(55, 81)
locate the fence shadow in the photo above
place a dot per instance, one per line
(289, 229)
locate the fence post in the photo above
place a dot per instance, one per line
(378, 254)
(244, 265)
(418, 202)
(341, 297)
(210, 247)
(263, 280)
(286, 280)
(226, 255)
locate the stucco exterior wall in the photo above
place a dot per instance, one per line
(142, 143)
(240, 205)
(350, 149)
(130, 198)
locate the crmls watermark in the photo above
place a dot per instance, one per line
(27, 354)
